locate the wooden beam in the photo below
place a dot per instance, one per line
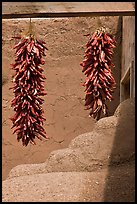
(66, 9)
(126, 76)
(132, 80)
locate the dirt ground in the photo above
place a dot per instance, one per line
(64, 104)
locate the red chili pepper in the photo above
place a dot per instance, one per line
(28, 87)
(96, 66)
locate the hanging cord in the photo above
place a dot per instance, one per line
(30, 28)
(29, 31)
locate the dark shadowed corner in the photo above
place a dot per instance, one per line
(120, 180)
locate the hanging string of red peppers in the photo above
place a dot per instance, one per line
(28, 88)
(100, 83)
(97, 64)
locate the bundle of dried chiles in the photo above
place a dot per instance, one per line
(28, 87)
(97, 64)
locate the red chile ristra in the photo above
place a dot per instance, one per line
(27, 89)
(97, 64)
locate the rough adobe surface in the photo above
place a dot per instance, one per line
(64, 104)
(72, 186)
(93, 150)
(92, 168)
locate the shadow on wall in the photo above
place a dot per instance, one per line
(112, 105)
(120, 184)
